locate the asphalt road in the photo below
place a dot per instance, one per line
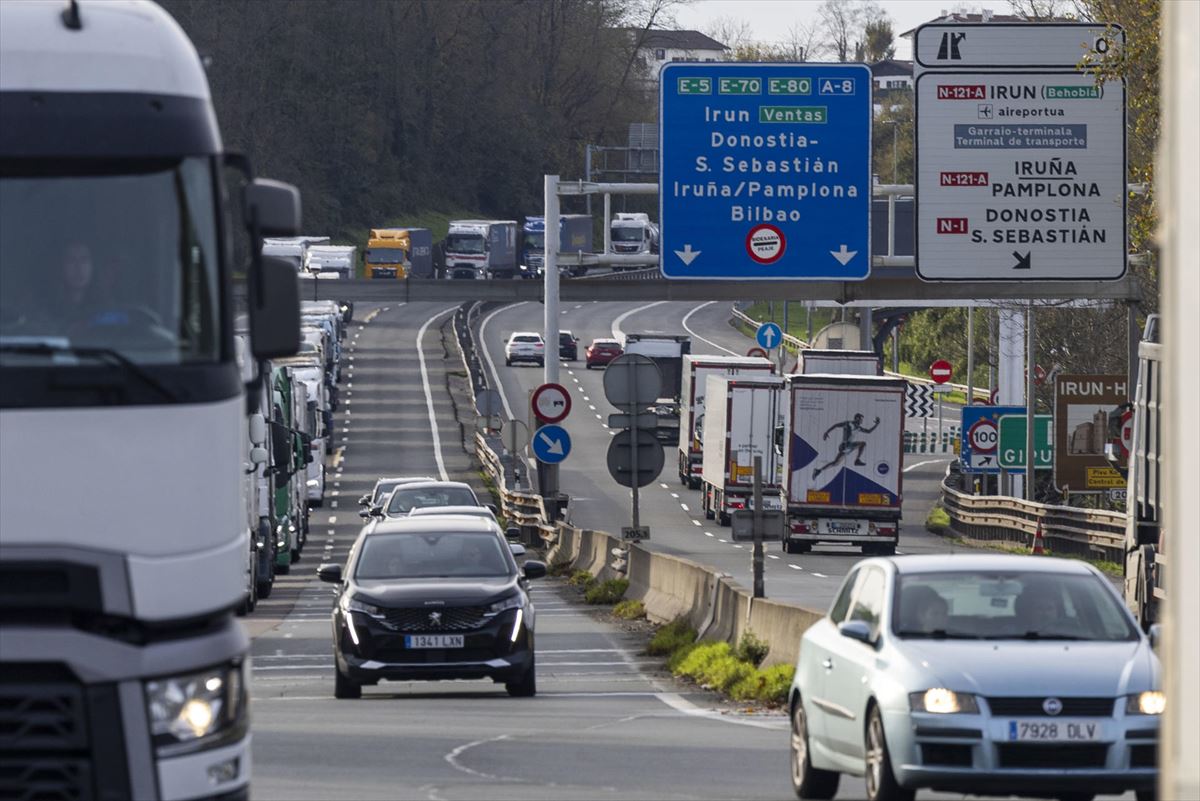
(607, 722)
(674, 513)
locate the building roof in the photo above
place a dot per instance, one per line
(891, 66)
(676, 40)
(957, 16)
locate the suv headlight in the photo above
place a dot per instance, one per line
(1152, 702)
(511, 602)
(357, 605)
(941, 701)
(193, 707)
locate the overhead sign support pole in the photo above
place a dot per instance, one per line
(1030, 405)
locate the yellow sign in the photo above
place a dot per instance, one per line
(1104, 478)
(872, 499)
(817, 497)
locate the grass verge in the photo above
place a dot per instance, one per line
(630, 609)
(718, 666)
(606, 592)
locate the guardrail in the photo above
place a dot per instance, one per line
(1067, 530)
(795, 344)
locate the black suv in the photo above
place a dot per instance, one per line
(568, 346)
(431, 598)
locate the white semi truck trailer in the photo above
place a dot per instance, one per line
(123, 414)
(741, 415)
(692, 386)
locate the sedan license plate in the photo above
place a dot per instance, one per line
(433, 641)
(1058, 731)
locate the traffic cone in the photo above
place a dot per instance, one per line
(1039, 544)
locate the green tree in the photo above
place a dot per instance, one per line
(879, 40)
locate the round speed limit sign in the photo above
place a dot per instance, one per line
(983, 436)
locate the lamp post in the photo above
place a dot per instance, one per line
(895, 159)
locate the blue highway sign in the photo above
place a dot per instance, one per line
(551, 444)
(980, 449)
(769, 335)
(765, 171)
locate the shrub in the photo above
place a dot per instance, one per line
(671, 637)
(581, 579)
(679, 655)
(606, 592)
(715, 665)
(752, 649)
(630, 609)
(769, 686)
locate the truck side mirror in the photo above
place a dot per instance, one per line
(273, 295)
(258, 455)
(258, 429)
(272, 208)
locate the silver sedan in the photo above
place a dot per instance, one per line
(976, 673)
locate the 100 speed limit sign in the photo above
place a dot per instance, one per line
(983, 436)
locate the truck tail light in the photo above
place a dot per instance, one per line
(800, 528)
(885, 531)
(737, 504)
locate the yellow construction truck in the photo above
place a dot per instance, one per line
(398, 253)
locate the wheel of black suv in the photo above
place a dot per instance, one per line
(344, 686)
(526, 685)
(807, 781)
(881, 781)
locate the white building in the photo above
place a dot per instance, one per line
(658, 47)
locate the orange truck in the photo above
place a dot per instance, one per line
(397, 253)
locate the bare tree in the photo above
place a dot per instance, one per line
(842, 23)
(802, 42)
(729, 31)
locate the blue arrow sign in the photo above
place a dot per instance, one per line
(765, 171)
(769, 335)
(551, 444)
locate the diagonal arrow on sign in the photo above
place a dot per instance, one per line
(553, 445)
(1023, 260)
(843, 256)
(687, 255)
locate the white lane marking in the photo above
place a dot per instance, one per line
(590, 406)
(708, 533)
(922, 464)
(586, 398)
(721, 540)
(688, 316)
(673, 494)
(772, 556)
(664, 486)
(735, 545)
(433, 426)
(695, 522)
(795, 567)
(822, 575)
(452, 758)
(680, 704)
(487, 354)
(683, 506)
(333, 504)
(617, 333)
(598, 417)
(332, 519)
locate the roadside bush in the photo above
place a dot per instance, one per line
(671, 637)
(752, 649)
(769, 686)
(581, 579)
(606, 592)
(630, 609)
(714, 664)
(559, 570)
(679, 655)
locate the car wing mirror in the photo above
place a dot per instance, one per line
(517, 548)
(1155, 634)
(857, 630)
(492, 508)
(533, 569)
(330, 573)
(365, 514)
(364, 500)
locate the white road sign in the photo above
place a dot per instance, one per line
(1001, 45)
(1020, 174)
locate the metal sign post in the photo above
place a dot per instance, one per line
(1030, 405)
(760, 590)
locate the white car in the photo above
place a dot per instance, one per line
(525, 346)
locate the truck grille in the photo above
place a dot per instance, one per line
(60, 740)
(1071, 707)
(460, 618)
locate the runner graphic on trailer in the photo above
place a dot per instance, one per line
(848, 444)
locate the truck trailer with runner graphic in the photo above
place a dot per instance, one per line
(696, 369)
(843, 443)
(742, 415)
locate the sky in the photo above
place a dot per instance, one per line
(769, 19)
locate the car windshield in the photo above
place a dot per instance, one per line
(432, 555)
(405, 499)
(113, 254)
(1007, 606)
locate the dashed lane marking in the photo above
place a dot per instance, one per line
(794, 567)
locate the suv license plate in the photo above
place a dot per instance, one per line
(1060, 731)
(433, 641)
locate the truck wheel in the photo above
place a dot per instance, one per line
(508, 362)
(265, 585)
(693, 483)
(722, 519)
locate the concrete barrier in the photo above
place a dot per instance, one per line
(671, 587)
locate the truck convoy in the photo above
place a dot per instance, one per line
(478, 249)
(574, 235)
(693, 384)
(1145, 538)
(666, 351)
(331, 261)
(741, 416)
(633, 233)
(843, 443)
(122, 670)
(291, 249)
(399, 253)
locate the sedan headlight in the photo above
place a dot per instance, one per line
(356, 605)
(941, 701)
(511, 602)
(1152, 702)
(187, 708)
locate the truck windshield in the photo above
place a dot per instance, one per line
(464, 243)
(627, 234)
(535, 241)
(113, 254)
(385, 255)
